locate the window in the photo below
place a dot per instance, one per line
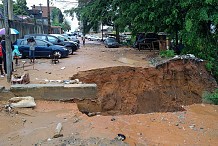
(52, 39)
(24, 42)
(41, 37)
(41, 43)
(61, 38)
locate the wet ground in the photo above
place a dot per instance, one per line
(196, 125)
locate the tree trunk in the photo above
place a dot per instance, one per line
(117, 33)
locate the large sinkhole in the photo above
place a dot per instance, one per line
(134, 90)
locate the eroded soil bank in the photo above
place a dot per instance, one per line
(132, 90)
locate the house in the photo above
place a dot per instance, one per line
(41, 13)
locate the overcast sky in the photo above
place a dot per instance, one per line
(61, 5)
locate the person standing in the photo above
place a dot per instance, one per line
(1, 61)
(84, 40)
(4, 54)
(31, 42)
(16, 54)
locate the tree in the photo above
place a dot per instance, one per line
(191, 22)
(66, 26)
(57, 17)
(20, 7)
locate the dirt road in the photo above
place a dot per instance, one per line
(197, 125)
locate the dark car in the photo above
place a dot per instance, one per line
(111, 43)
(71, 46)
(42, 48)
(65, 38)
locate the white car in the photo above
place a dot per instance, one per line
(93, 38)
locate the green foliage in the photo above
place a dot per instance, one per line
(209, 66)
(188, 25)
(167, 53)
(187, 20)
(65, 25)
(211, 97)
(20, 7)
(57, 17)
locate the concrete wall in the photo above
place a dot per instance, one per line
(27, 28)
(85, 95)
(56, 91)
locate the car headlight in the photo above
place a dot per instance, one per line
(65, 48)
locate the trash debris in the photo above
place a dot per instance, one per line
(58, 131)
(8, 108)
(192, 126)
(76, 80)
(27, 101)
(20, 79)
(63, 68)
(90, 114)
(113, 119)
(120, 137)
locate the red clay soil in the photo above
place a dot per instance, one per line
(134, 90)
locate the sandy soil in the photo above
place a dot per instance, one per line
(197, 125)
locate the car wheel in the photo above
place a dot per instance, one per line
(57, 53)
(70, 50)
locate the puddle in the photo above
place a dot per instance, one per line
(127, 61)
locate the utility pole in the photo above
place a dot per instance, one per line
(10, 10)
(49, 22)
(41, 17)
(7, 42)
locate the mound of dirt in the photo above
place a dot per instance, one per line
(164, 88)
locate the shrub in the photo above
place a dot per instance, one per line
(211, 97)
(167, 53)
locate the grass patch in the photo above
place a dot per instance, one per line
(211, 97)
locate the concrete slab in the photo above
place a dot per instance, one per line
(56, 91)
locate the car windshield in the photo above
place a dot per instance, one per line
(62, 38)
(111, 40)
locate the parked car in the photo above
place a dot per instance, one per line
(65, 38)
(72, 47)
(111, 43)
(42, 49)
(72, 37)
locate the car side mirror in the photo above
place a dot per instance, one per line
(48, 45)
(59, 41)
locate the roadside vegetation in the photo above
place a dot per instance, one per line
(191, 23)
(167, 53)
(211, 97)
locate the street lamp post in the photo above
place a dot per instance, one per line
(41, 17)
(34, 14)
(49, 22)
